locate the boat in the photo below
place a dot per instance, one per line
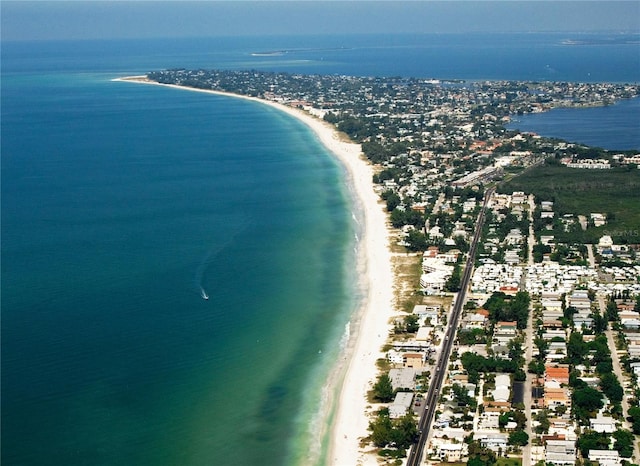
(204, 295)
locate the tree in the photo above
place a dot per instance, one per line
(535, 367)
(611, 311)
(600, 349)
(471, 336)
(501, 307)
(519, 438)
(592, 441)
(405, 431)
(520, 308)
(539, 250)
(416, 241)
(569, 311)
(599, 322)
(461, 396)
(383, 390)
(453, 283)
(374, 151)
(585, 401)
(515, 349)
(611, 387)
(634, 418)
(543, 422)
(411, 323)
(381, 429)
(520, 419)
(576, 348)
(392, 199)
(400, 433)
(604, 367)
(624, 442)
(479, 455)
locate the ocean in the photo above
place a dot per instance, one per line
(122, 203)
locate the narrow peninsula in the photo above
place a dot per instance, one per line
(500, 269)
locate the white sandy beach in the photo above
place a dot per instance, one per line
(370, 326)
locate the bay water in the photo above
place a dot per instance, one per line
(615, 127)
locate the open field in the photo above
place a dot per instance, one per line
(615, 192)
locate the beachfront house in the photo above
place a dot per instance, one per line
(400, 405)
(403, 378)
(414, 360)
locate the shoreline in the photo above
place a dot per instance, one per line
(352, 376)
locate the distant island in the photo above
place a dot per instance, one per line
(279, 53)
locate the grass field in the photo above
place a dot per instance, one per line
(615, 192)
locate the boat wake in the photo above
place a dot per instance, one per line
(206, 261)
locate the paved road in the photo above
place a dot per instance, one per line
(617, 366)
(617, 370)
(431, 400)
(528, 344)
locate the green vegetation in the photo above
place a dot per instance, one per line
(611, 387)
(518, 438)
(504, 308)
(473, 336)
(615, 192)
(383, 390)
(409, 324)
(475, 364)
(396, 433)
(592, 441)
(453, 283)
(544, 423)
(586, 401)
(502, 461)
(462, 398)
(634, 418)
(479, 455)
(623, 442)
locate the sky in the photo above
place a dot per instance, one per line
(95, 19)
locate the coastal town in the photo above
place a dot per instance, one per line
(515, 333)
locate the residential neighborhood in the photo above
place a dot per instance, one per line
(564, 388)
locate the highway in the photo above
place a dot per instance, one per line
(431, 399)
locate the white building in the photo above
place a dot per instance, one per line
(451, 452)
(495, 441)
(560, 452)
(400, 405)
(603, 424)
(503, 386)
(605, 457)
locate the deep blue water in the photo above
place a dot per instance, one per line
(120, 201)
(612, 127)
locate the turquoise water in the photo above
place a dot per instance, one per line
(121, 201)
